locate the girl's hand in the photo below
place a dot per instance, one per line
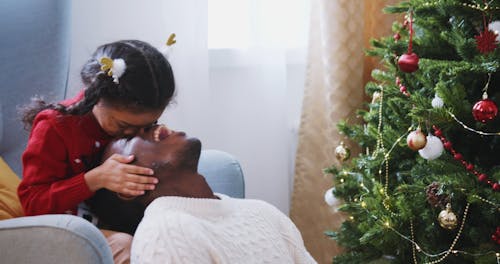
(116, 175)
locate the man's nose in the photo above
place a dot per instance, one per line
(161, 132)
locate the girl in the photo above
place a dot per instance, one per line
(128, 84)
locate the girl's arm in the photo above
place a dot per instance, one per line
(46, 187)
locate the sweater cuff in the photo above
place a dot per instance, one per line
(77, 190)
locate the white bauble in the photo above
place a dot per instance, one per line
(329, 197)
(495, 27)
(437, 102)
(433, 148)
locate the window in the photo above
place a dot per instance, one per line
(241, 24)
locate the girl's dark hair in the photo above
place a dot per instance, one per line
(147, 84)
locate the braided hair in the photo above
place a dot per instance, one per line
(147, 84)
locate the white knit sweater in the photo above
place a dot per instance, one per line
(190, 230)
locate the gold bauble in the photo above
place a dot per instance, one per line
(447, 218)
(342, 153)
(416, 140)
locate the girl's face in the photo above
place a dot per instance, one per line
(122, 122)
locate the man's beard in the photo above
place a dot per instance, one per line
(191, 153)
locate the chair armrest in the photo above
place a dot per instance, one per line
(52, 239)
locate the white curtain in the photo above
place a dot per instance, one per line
(257, 63)
(337, 70)
(239, 68)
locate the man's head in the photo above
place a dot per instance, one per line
(174, 158)
(159, 149)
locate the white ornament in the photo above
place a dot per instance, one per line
(495, 27)
(432, 149)
(437, 102)
(329, 197)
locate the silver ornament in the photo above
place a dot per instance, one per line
(437, 102)
(329, 197)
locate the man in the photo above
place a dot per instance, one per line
(186, 222)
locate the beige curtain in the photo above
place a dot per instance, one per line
(336, 74)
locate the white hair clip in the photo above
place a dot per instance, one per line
(167, 49)
(114, 68)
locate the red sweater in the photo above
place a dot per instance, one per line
(60, 149)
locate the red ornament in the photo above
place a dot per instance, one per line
(484, 110)
(486, 41)
(396, 37)
(408, 62)
(496, 236)
(482, 177)
(447, 145)
(469, 166)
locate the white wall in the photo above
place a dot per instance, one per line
(228, 103)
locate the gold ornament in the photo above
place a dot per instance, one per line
(171, 40)
(416, 140)
(342, 153)
(447, 218)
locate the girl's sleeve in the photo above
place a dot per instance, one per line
(46, 187)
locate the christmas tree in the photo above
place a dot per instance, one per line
(425, 188)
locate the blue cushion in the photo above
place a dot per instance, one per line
(222, 172)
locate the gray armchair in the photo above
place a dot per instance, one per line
(71, 239)
(34, 59)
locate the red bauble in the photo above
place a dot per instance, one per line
(408, 62)
(482, 177)
(496, 236)
(484, 110)
(396, 37)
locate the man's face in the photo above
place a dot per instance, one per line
(158, 146)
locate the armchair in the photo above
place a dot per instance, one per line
(71, 239)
